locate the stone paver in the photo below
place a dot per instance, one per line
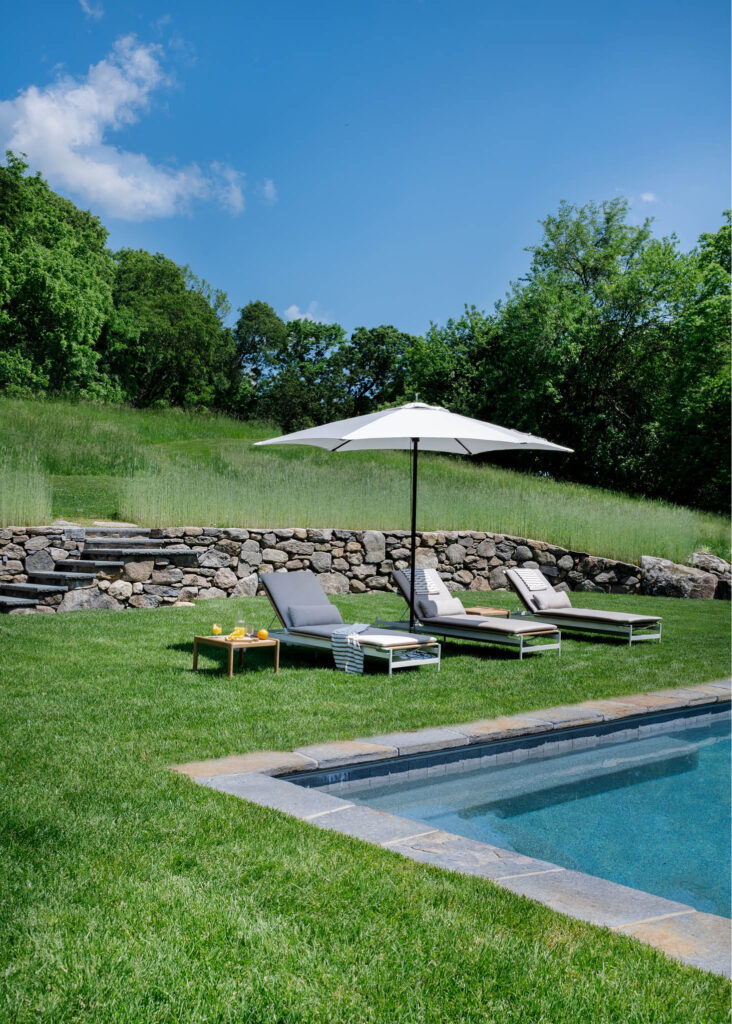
(591, 899)
(467, 856)
(331, 755)
(702, 940)
(647, 702)
(370, 825)
(267, 762)
(421, 740)
(690, 695)
(501, 728)
(563, 716)
(299, 801)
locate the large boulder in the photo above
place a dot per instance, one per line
(662, 578)
(334, 583)
(246, 587)
(374, 546)
(39, 561)
(137, 572)
(719, 568)
(85, 598)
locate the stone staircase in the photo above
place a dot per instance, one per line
(104, 555)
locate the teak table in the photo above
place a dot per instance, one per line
(482, 610)
(234, 645)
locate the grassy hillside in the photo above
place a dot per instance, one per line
(87, 462)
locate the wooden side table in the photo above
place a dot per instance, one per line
(501, 613)
(234, 645)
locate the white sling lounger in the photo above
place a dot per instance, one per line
(543, 602)
(524, 637)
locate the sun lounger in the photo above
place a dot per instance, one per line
(543, 602)
(443, 614)
(309, 619)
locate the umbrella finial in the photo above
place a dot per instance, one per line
(416, 396)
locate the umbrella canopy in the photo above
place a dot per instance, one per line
(414, 427)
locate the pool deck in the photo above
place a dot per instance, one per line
(702, 940)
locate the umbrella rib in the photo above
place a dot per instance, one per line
(463, 446)
(339, 446)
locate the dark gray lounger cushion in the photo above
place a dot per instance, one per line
(595, 615)
(314, 615)
(287, 589)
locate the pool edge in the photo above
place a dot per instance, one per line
(682, 932)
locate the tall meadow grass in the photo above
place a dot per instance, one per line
(25, 495)
(169, 467)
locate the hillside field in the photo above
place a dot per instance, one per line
(164, 468)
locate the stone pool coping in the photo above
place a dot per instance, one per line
(696, 938)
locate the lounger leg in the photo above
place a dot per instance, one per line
(559, 649)
(630, 636)
(391, 655)
(521, 648)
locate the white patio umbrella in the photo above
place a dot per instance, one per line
(414, 427)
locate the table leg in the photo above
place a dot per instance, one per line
(277, 658)
(195, 655)
(231, 662)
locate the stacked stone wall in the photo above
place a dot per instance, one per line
(201, 563)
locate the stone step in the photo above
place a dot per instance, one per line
(7, 604)
(120, 542)
(88, 565)
(37, 590)
(183, 557)
(71, 580)
(116, 531)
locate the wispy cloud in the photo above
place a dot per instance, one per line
(294, 312)
(63, 128)
(267, 191)
(95, 11)
(649, 197)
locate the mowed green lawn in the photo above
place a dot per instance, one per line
(128, 893)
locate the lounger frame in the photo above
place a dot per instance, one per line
(634, 633)
(379, 653)
(524, 643)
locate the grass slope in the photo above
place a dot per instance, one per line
(129, 894)
(89, 462)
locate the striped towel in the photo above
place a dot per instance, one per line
(347, 653)
(427, 582)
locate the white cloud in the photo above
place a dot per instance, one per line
(313, 312)
(649, 197)
(62, 129)
(95, 11)
(267, 191)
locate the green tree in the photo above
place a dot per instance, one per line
(165, 342)
(55, 289)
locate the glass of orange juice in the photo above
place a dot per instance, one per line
(216, 629)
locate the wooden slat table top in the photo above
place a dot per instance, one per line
(488, 612)
(223, 641)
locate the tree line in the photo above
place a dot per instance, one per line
(615, 343)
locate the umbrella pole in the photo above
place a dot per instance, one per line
(415, 449)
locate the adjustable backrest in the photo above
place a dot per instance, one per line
(285, 589)
(526, 583)
(438, 592)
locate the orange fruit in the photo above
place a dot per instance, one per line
(262, 634)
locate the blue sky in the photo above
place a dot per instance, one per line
(382, 162)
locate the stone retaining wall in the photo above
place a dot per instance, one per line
(215, 563)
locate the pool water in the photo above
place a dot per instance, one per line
(652, 813)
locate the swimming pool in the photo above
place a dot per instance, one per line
(652, 812)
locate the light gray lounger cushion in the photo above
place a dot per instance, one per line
(314, 615)
(288, 589)
(551, 598)
(595, 615)
(428, 607)
(373, 635)
(488, 624)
